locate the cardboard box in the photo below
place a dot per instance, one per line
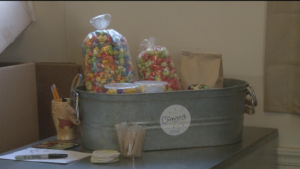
(25, 114)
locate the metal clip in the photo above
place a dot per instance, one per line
(248, 109)
(253, 94)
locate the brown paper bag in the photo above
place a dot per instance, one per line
(201, 68)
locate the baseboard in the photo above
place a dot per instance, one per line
(288, 157)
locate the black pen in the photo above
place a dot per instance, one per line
(40, 156)
(63, 99)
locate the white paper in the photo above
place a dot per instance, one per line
(72, 155)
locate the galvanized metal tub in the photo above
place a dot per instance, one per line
(216, 116)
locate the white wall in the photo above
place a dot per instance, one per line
(234, 29)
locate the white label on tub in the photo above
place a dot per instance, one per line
(153, 89)
(175, 120)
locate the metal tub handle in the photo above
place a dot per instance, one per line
(73, 112)
(76, 112)
(250, 102)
